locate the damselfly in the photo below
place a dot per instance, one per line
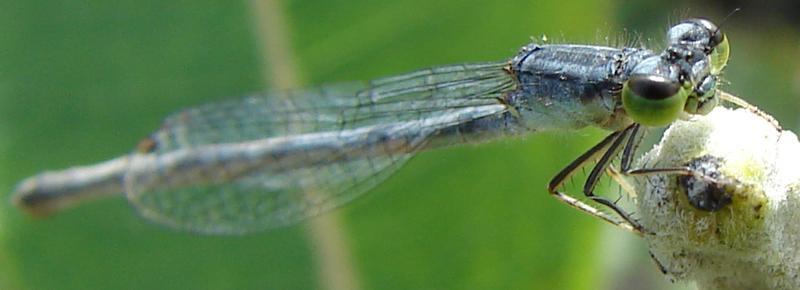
(273, 160)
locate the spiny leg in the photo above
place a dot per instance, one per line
(589, 156)
(619, 178)
(744, 104)
(630, 148)
(627, 159)
(661, 267)
(604, 162)
(682, 171)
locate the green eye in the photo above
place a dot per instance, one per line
(697, 107)
(719, 57)
(653, 100)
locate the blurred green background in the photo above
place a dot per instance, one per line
(83, 81)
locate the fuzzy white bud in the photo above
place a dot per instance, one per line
(739, 231)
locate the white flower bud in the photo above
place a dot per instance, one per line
(735, 224)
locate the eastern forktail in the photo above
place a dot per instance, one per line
(276, 159)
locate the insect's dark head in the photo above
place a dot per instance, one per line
(700, 49)
(697, 32)
(683, 79)
(707, 190)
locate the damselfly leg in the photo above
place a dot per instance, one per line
(623, 141)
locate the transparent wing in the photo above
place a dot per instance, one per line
(275, 196)
(413, 96)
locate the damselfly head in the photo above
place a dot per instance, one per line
(703, 35)
(702, 49)
(697, 51)
(697, 32)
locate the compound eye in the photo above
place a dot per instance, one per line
(653, 87)
(704, 97)
(697, 31)
(717, 37)
(719, 56)
(718, 46)
(716, 34)
(705, 107)
(653, 100)
(702, 105)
